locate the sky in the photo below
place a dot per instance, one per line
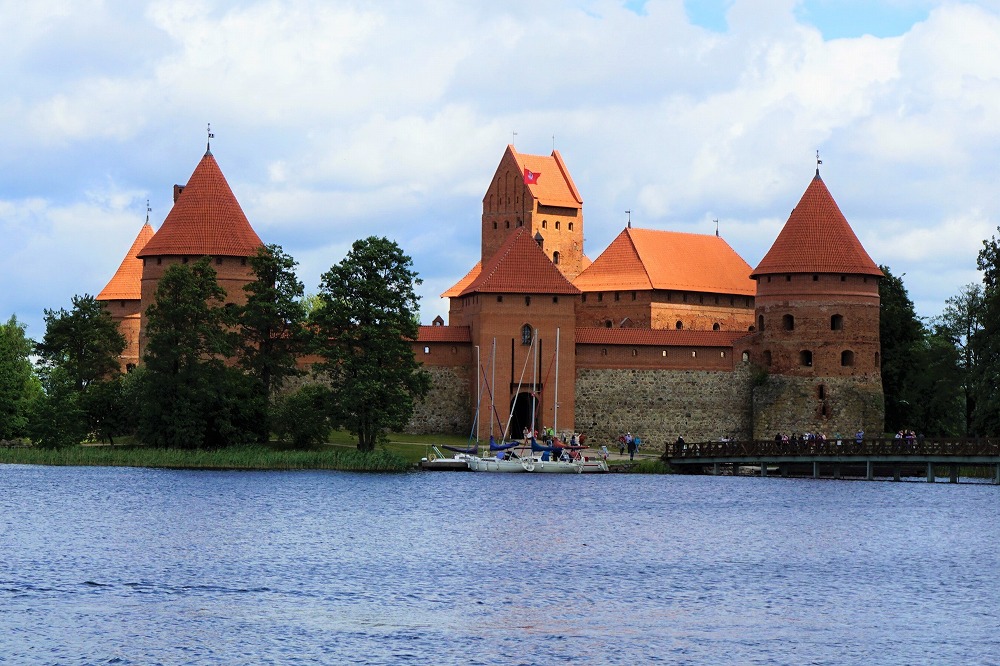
(339, 120)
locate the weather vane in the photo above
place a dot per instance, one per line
(208, 144)
(512, 137)
(629, 222)
(818, 162)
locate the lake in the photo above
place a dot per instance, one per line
(140, 566)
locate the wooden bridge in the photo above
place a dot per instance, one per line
(833, 458)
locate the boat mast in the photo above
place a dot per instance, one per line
(493, 383)
(555, 396)
(534, 383)
(479, 394)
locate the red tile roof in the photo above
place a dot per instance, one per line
(657, 337)
(444, 334)
(642, 259)
(460, 286)
(554, 186)
(520, 267)
(817, 239)
(205, 220)
(126, 284)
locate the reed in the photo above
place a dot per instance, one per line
(243, 458)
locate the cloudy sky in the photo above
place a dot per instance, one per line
(340, 120)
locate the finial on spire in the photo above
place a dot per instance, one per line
(148, 211)
(629, 222)
(818, 162)
(716, 220)
(513, 135)
(208, 143)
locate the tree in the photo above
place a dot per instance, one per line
(986, 344)
(85, 342)
(934, 390)
(365, 325)
(272, 323)
(18, 384)
(190, 399)
(900, 331)
(960, 323)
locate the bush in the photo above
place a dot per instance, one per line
(301, 417)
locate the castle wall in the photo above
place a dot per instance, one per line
(449, 406)
(657, 405)
(125, 313)
(663, 309)
(829, 405)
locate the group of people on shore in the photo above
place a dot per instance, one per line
(630, 443)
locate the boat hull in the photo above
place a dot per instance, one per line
(516, 465)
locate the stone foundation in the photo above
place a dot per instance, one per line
(829, 405)
(448, 406)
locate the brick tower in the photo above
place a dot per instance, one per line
(122, 297)
(206, 220)
(817, 319)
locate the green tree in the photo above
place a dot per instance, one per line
(960, 323)
(189, 397)
(986, 344)
(272, 323)
(934, 391)
(18, 385)
(85, 342)
(301, 417)
(58, 418)
(900, 333)
(365, 325)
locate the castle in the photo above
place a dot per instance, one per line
(663, 334)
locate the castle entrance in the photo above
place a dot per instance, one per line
(523, 403)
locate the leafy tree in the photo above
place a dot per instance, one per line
(934, 391)
(301, 417)
(112, 407)
(960, 323)
(84, 342)
(986, 344)
(190, 399)
(18, 384)
(57, 416)
(900, 331)
(365, 323)
(272, 323)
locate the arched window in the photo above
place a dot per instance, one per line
(837, 322)
(847, 358)
(716, 326)
(545, 224)
(527, 300)
(557, 224)
(494, 226)
(607, 323)
(806, 358)
(555, 257)
(746, 356)
(526, 334)
(788, 322)
(506, 224)
(571, 226)
(679, 325)
(760, 322)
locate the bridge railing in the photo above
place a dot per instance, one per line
(977, 446)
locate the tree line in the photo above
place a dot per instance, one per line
(940, 375)
(216, 374)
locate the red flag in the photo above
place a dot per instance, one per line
(530, 177)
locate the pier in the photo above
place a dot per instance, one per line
(843, 458)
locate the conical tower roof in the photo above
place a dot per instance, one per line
(126, 283)
(520, 267)
(817, 239)
(205, 220)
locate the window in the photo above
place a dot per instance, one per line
(788, 322)
(722, 354)
(821, 392)
(752, 328)
(218, 261)
(571, 226)
(555, 257)
(604, 351)
(500, 298)
(788, 278)
(806, 358)
(607, 323)
(454, 350)
(159, 260)
(694, 354)
(760, 322)
(526, 334)
(815, 278)
(527, 300)
(847, 358)
(557, 224)
(427, 350)
(663, 353)
(746, 356)
(506, 224)
(243, 261)
(616, 295)
(494, 226)
(837, 322)
(555, 299)
(843, 278)
(545, 224)
(679, 325)
(635, 352)
(583, 298)
(716, 326)
(600, 296)
(520, 223)
(633, 295)
(184, 260)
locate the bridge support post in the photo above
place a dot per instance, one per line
(930, 472)
(954, 473)
(869, 471)
(784, 471)
(996, 477)
(763, 469)
(836, 471)
(715, 469)
(895, 473)
(816, 469)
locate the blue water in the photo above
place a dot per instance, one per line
(134, 566)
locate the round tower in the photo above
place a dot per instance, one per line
(206, 220)
(817, 327)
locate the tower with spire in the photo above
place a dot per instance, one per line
(817, 326)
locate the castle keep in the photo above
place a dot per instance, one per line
(663, 334)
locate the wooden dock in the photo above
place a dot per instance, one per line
(844, 458)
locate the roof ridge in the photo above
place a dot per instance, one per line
(530, 272)
(126, 283)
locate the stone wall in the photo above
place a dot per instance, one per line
(829, 405)
(659, 405)
(448, 406)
